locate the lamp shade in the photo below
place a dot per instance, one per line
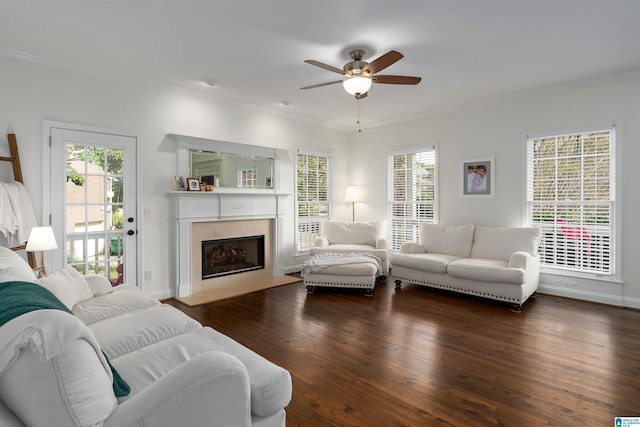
(41, 239)
(357, 85)
(353, 194)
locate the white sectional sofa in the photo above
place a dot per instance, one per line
(353, 237)
(53, 369)
(500, 263)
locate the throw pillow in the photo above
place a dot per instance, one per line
(68, 286)
(14, 268)
(99, 285)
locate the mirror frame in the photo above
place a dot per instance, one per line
(186, 143)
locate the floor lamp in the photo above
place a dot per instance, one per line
(353, 196)
(41, 239)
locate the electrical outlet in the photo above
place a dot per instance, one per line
(147, 275)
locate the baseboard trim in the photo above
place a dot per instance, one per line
(293, 269)
(616, 300)
(161, 295)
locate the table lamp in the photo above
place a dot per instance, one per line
(353, 196)
(41, 239)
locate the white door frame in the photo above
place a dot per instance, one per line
(47, 125)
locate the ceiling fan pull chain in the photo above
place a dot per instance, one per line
(359, 115)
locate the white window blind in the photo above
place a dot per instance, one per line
(570, 196)
(312, 196)
(411, 193)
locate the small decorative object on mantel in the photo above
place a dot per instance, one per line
(193, 184)
(207, 187)
(178, 182)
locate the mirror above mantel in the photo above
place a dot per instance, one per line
(228, 164)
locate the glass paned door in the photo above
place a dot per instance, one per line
(94, 196)
(93, 184)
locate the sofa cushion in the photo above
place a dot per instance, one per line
(486, 270)
(124, 299)
(270, 384)
(356, 233)
(14, 268)
(501, 242)
(68, 285)
(453, 240)
(131, 331)
(433, 263)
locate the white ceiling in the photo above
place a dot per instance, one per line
(468, 52)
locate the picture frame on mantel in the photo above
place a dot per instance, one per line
(478, 177)
(178, 183)
(193, 184)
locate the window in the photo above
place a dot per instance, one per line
(570, 196)
(411, 193)
(313, 170)
(248, 178)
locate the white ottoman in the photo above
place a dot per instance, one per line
(357, 275)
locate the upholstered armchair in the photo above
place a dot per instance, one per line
(347, 237)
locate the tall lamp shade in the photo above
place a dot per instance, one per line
(41, 239)
(353, 196)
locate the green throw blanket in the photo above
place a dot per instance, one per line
(18, 298)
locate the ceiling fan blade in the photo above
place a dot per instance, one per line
(322, 84)
(396, 80)
(324, 66)
(383, 62)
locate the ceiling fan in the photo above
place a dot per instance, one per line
(359, 74)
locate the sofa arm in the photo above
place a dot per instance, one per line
(210, 389)
(321, 242)
(411, 248)
(520, 260)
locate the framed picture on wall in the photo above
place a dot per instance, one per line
(478, 177)
(193, 184)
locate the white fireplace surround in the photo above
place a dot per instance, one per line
(224, 205)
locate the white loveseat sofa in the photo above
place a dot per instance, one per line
(53, 370)
(353, 237)
(500, 263)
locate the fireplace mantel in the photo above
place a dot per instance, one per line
(224, 205)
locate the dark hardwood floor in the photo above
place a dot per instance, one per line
(423, 357)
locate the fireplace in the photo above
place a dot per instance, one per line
(226, 214)
(221, 257)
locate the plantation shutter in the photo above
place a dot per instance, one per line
(312, 196)
(411, 193)
(570, 196)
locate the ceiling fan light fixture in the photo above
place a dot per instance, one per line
(357, 85)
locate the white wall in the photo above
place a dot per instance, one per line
(31, 93)
(497, 131)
